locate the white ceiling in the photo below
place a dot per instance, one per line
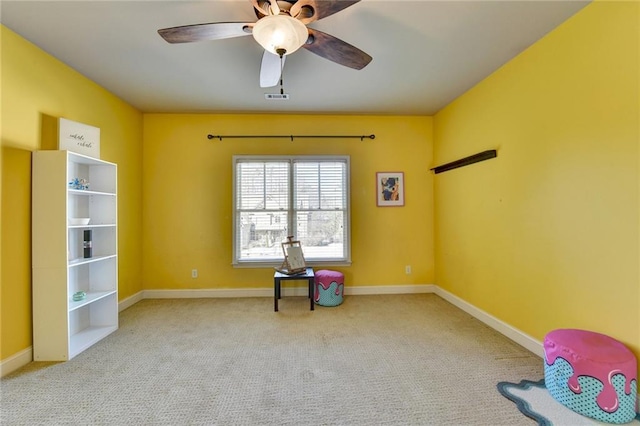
(425, 53)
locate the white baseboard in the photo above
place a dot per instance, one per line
(130, 301)
(211, 293)
(16, 361)
(501, 327)
(391, 289)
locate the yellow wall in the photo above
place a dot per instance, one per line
(546, 235)
(187, 215)
(36, 89)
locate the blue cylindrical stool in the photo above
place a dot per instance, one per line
(329, 287)
(592, 374)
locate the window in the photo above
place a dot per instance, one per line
(307, 197)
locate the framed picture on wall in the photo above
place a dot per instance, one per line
(390, 189)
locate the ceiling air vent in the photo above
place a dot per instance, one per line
(276, 96)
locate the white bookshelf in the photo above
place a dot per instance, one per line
(62, 327)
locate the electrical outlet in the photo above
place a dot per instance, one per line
(407, 269)
(194, 273)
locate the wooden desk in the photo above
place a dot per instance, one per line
(278, 277)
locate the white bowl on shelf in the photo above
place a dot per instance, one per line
(79, 221)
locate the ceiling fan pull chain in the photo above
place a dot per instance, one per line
(281, 73)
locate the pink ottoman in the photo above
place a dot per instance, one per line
(329, 287)
(592, 374)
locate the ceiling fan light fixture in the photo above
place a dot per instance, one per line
(278, 32)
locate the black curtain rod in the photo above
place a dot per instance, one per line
(482, 156)
(363, 137)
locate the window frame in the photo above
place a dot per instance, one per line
(291, 212)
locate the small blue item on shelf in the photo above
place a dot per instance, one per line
(79, 295)
(76, 183)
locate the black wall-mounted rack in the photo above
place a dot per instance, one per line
(481, 156)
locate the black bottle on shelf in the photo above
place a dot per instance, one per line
(87, 243)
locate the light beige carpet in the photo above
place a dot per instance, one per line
(374, 360)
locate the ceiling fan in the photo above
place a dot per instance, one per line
(281, 29)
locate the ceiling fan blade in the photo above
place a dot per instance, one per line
(311, 10)
(212, 31)
(336, 50)
(270, 69)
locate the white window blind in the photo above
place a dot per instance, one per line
(307, 197)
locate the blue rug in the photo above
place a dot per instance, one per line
(535, 402)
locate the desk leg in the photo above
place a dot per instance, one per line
(276, 293)
(311, 295)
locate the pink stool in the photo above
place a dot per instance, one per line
(329, 287)
(592, 374)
